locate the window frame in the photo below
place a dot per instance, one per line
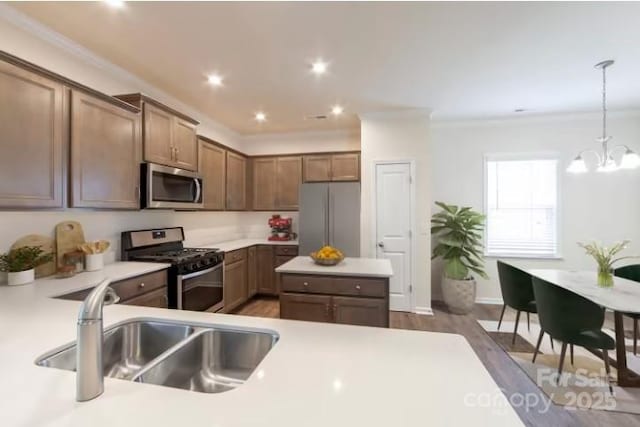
(485, 193)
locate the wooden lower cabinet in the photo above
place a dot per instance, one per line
(264, 270)
(360, 311)
(314, 308)
(252, 276)
(347, 300)
(235, 284)
(148, 290)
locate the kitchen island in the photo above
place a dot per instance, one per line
(355, 292)
(316, 375)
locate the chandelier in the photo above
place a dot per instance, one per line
(606, 163)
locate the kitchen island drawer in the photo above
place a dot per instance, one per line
(235, 256)
(288, 250)
(130, 288)
(360, 286)
(306, 283)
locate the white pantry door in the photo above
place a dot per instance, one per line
(393, 228)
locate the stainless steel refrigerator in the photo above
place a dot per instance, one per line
(330, 215)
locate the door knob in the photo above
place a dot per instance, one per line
(381, 244)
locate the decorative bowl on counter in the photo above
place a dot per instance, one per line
(327, 256)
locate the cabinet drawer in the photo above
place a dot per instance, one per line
(287, 250)
(157, 298)
(130, 288)
(234, 256)
(311, 284)
(359, 286)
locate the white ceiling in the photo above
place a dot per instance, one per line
(461, 60)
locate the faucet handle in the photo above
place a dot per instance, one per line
(111, 296)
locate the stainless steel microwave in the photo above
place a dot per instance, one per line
(164, 187)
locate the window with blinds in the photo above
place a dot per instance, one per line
(521, 200)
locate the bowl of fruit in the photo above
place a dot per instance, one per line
(327, 255)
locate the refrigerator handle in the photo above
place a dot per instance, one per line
(328, 218)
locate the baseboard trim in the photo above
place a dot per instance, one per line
(423, 310)
(486, 300)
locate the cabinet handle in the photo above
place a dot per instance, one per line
(177, 151)
(358, 287)
(327, 310)
(305, 284)
(141, 285)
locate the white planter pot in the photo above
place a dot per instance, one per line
(93, 262)
(459, 295)
(20, 277)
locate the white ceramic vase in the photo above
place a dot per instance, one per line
(459, 295)
(93, 262)
(20, 277)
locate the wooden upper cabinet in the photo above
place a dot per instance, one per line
(345, 167)
(332, 167)
(158, 146)
(288, 180)
(170, 137)
(32, 123)
(264, 183)
(212, 166)
(317, 168)
(236, 182)
(185, 144)
(105, 154)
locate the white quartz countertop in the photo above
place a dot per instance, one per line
(364, 267)
(317, 375)
(232, 245)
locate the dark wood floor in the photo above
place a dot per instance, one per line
(510, 378)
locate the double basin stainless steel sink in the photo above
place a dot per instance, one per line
(197, 357)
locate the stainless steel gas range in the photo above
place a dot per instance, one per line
(195, 275)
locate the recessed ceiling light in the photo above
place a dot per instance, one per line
(336, 110)
(319, 67)
(215, 79)
(115, 3)
(261, 117)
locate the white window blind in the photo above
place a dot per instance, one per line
(521, 204)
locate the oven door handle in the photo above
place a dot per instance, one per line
(200, 273)
(198, 190)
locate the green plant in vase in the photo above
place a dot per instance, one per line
(605, 259)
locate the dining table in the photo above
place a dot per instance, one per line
(623, 297)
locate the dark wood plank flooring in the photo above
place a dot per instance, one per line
(510, 378)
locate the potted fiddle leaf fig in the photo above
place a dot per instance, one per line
(458, 233)
(20, 263)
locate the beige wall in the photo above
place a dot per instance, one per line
(399, 136)
(593, 206)
(306, 142)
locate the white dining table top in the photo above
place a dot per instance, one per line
(623, 296)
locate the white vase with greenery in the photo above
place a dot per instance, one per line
(458, 232)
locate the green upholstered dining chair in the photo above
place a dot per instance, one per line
(517, 293)
(631, 272)
(571, 319)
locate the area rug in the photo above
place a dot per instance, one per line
(583, 384)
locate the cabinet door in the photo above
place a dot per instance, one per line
(31, 139)
(157, 298)
(288, 180)
(185, 144)
(265, 274)
(158, 135)
(360, 311)
(317, 168)
(105, 154)
(236, 182)
(235, 285)
(212, 167)
(252, 273)
(314, 308)
(345, 167)
(264, 184)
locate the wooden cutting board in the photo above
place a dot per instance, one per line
(48, 246)
(69, 235)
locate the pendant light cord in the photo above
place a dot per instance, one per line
(604, 104)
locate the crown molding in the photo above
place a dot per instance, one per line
(311, 134)
(397, 114)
